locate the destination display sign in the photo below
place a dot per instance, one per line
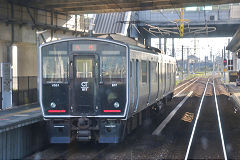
(84, 47)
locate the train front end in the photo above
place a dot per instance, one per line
(83, 89)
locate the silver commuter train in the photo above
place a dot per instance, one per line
(100, 89)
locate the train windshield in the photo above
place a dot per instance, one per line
(55, 63)
(113, 67)
(90, 76)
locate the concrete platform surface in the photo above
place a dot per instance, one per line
(235, 93)
(19, 116)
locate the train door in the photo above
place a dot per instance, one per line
(149, 82)
(169, 77)
(132, 82)
(136, 79)
(160, 80)
(157, 70)
(164, 77)
(83, 85)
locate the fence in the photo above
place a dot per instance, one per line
(24, 90)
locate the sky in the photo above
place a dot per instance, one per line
(204, 46)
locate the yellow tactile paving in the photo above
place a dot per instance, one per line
(16, 113)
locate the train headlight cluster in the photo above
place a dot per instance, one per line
(116, 104)
(53, 105)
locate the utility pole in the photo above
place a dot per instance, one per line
(228, 50)
(224, 66)
(188, 61)
(165, 45)
(205, 64)
(173, 49)
(213, 64)
(182, 62)
(160, 43)
(222, 63)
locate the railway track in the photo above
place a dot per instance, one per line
(173, 141)
(194, 141)
(181, 91)
(101, 151)
(185, 83)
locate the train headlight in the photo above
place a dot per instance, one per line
(116, 104)
(53, 105)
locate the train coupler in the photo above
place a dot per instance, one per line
(83, 135)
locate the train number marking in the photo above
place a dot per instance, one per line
(84, 86)
(114, 85)
(55, 85)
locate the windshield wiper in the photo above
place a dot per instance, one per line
(100, 74)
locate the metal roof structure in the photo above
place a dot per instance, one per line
(104, 6)
(109, 22)
(234, 44)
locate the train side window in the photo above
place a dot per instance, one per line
(130, 68)
(144, 71)
(161, 72)
(154, 72)
(166, 70)
(169, 71)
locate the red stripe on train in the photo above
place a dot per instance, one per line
(57, 111)
(111, 110)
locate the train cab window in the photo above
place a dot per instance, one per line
(84, 68)
(113, 66)
(55, 63)
(144, 71)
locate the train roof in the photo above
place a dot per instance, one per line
(133, 44)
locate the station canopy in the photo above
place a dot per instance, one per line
(234, 45)
(104, 6)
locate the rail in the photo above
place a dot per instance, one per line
(219, 123)
(196, 121)
(159, 129)
(197, 118)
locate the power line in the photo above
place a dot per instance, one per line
(175, 9)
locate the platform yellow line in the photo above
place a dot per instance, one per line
(16, 113)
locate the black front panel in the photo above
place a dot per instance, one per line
(84, 78)
(112, 97)
(83, 89)
(55, 74)
(55, 99)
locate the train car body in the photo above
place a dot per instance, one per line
(90, 88)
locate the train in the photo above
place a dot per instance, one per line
(100, 89)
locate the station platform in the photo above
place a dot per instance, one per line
(234, 92)
(19, 116)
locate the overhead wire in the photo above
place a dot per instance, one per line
(175, 9)
(168, 31)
